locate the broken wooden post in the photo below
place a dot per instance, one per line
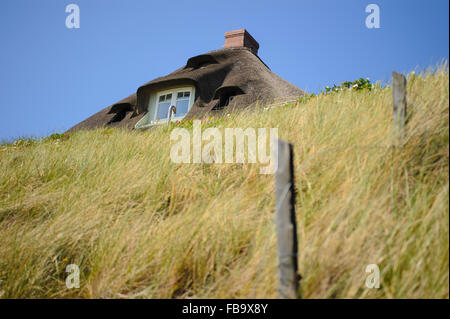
(399, 112)
(285, 222)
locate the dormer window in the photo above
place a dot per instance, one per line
(228, 100)
(200, 61)
(224, 102)
(225, 95)
(203, 64)
(160, 102)
(180, 98)
(120, 110)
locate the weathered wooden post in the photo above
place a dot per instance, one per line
(400, 107)
(286, 224)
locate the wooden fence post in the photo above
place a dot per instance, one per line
(400, 107)
(286, 224)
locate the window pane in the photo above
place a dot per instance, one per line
(187, 94)
(161, 98)
(228, 100)
(168, 97)
(163, 108)
(180, 94)
(182, 107)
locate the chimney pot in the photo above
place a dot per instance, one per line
(240, 38)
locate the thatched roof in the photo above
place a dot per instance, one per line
(120, 114)
(237, 71)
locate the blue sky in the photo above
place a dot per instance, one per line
(52, 77)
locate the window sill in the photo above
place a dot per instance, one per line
(156, 123)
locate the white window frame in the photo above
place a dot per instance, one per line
(174, 92)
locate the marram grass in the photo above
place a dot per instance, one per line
(140, 226)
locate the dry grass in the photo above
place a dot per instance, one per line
(140, 226)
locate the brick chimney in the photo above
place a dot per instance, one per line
(240, 38)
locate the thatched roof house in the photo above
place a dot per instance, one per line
(230, 78)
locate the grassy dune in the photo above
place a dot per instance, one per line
(140, 226)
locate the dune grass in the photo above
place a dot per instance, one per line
(140, 226)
